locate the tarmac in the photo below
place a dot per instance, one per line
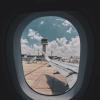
(44, 79)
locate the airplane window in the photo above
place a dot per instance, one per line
(50, 51)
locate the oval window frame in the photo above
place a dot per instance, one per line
(81, 25)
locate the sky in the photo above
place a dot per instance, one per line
(63, 38)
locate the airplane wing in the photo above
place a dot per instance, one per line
(64, 69)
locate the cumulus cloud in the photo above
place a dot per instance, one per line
(24, 41)
(66, 23)
(60, 47)
(69, 30)
(30, 50)
(59, 19)
(61, 41)
(37, 47)
(34, 35)
(25, 49)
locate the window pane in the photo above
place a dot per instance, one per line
(50, 50)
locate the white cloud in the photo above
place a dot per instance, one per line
(37, 47)
(66, 23)
(60, 47)
(34, 35)
(25, 49)
(69, 30)
(42, 22)
(61, 41)
(24, 41)
(59, 19)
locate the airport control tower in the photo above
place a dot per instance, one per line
(44, 42)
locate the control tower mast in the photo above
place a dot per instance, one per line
(44, 42)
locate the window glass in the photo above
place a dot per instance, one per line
(50, 51)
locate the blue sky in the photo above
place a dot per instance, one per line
(59, 32)
(51, 27)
